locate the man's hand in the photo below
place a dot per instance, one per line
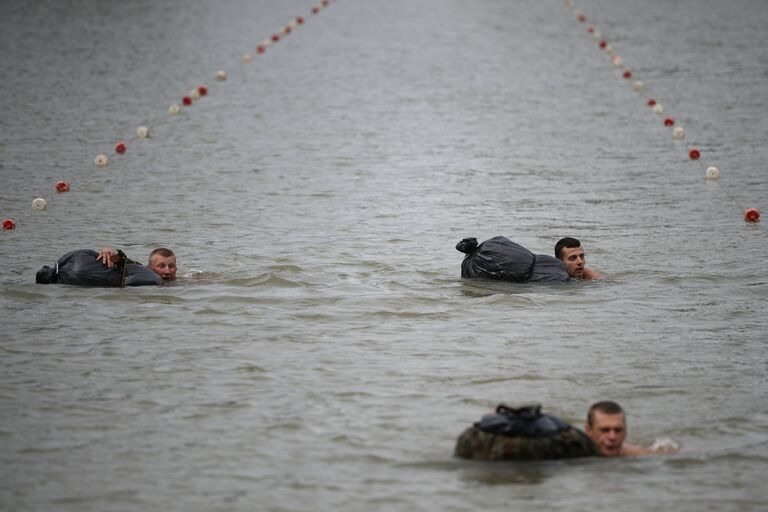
(108, 256)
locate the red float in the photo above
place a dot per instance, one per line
(62, 186)
(627, 74)
(202, 90)
(669, 122)
(9, 224)
(186, 100)
(326, 2)
(651, 102)
(591, 29)
(120, 147)
(315, 10)
(582, 18)
(299, 20)
(287, 29)
(275, 38)
(603, 43)
(694, 154)
(261, 49)
(751, 215)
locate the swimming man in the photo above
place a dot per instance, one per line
(570, 251)
(162, 261)
(607, 427)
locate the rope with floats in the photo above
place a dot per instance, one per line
(187, 101)
(694, 153)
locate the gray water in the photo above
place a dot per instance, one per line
(321, 351)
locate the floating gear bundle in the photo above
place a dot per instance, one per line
(502, 259)
(81, 268)
(523, 434)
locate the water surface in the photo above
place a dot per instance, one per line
(322, 352)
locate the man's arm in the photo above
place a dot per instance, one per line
(111, 257)
(630, 450)
(590, 274)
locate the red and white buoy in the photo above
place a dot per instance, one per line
(62, 186)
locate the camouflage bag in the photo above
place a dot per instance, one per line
(523, 434)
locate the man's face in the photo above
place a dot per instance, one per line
(574, 260)
(608, 432)
(163, 266)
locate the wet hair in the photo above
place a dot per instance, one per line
(161, 251)
(605, 407)
(564, 243)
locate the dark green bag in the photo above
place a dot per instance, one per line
(523, 434)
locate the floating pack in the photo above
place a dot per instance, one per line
(81, 268)
(523, 434)
(501, 258)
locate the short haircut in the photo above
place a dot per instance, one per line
(161, 251)
(563, 243)
(605, 407)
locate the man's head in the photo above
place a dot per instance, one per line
(607, 427)
(163, 262)
(570, 251)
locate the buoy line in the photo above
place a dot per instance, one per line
(712, 173)
(185, 102)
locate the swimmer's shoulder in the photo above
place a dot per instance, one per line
(591, 274)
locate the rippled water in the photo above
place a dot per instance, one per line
(321, 352)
